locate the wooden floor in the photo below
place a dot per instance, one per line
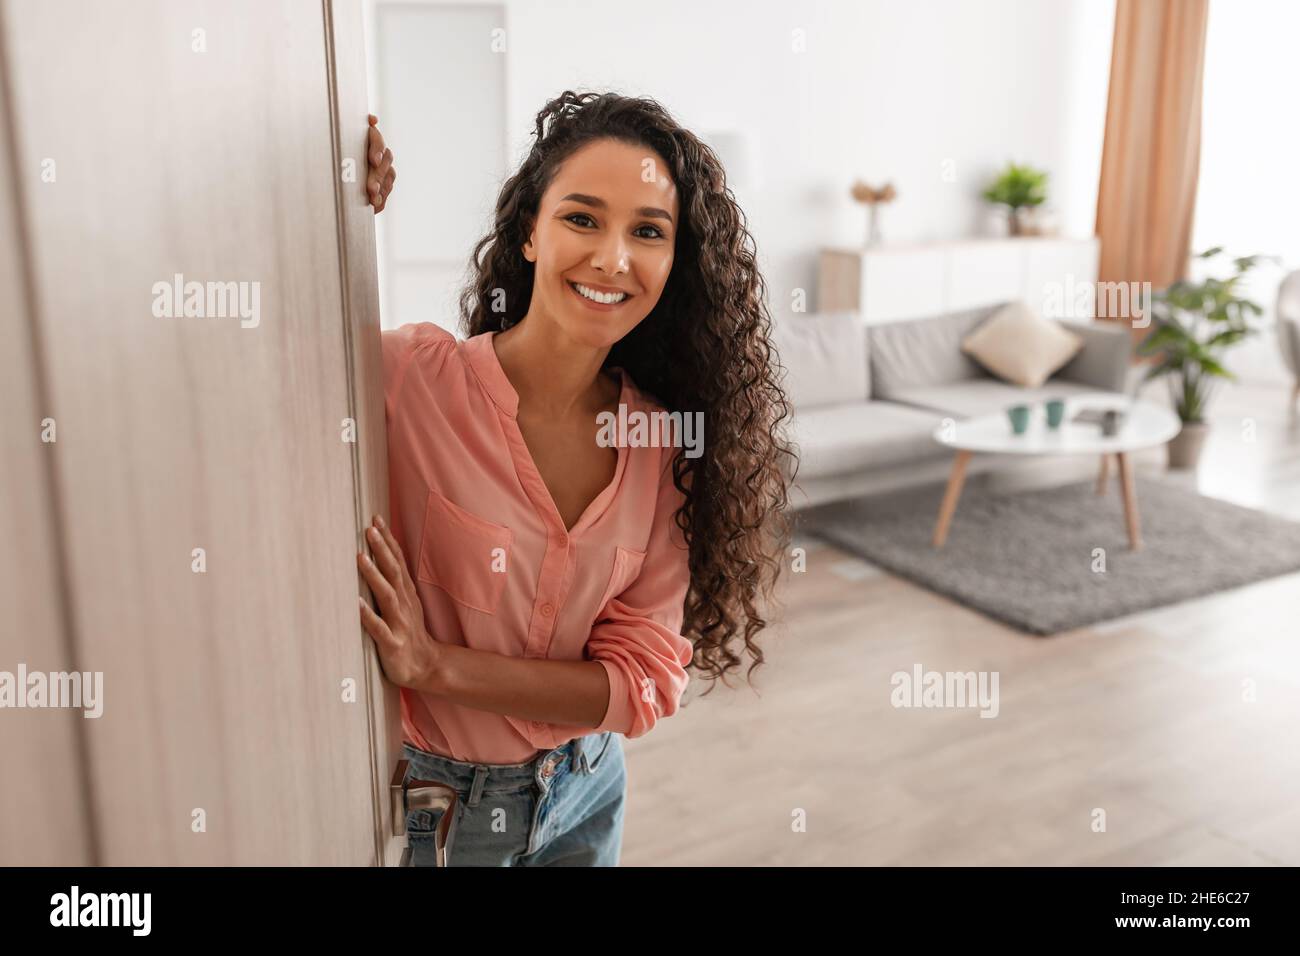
(1125, 743)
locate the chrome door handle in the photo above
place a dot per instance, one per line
(416, 794)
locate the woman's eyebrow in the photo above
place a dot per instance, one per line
(653, 212)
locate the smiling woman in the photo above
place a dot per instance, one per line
(608, 247)
(543, 590)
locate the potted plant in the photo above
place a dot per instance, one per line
(1018, 188)
(1194, 323)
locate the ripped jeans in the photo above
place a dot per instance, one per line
(562, 808)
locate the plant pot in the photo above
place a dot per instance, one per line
(1015, 221)
(1025, 221)
(1185, 447)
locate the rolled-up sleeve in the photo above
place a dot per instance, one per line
(637, 634)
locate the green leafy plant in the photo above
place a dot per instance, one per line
(1018, 186)
(1194, 323)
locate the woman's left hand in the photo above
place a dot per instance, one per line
(381, 175)
(409, 655)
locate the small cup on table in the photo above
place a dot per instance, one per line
(1019, 415)
(1055, 412)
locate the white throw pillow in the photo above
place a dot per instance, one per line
(1020, 347)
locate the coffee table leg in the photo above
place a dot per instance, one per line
(1103, 476)
(1130, 501)
(955, 481)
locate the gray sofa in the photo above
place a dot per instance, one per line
(867, 398)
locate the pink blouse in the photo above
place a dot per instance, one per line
(494, 566)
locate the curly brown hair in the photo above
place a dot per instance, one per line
(703, 347)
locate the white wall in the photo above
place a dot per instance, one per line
(934, 95)
(438, 87)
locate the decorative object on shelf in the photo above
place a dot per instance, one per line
(1020, 188)
(873, 199)
(1046, 221)
(1194, 322)
(1037, 221)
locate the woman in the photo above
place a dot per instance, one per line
(545, 588)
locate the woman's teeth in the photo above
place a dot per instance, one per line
(605, 298)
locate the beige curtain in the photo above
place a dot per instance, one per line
(1151, 153)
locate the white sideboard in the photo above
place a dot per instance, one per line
(913, 280)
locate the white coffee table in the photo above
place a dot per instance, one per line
(1144, 425)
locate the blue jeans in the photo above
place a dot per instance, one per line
(562, 808)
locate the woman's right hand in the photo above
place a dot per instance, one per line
(409, 655)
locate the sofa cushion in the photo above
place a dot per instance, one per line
(923, 351)
(986, 395)
(825, 357)
(862, 435)
(1104, 361)
(1020, 347)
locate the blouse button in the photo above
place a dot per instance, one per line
(548, 609)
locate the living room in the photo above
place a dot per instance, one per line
(970, 217)
(975, 541)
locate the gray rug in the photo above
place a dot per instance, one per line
(1026, 558)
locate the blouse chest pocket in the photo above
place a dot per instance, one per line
(464, 554)
(627, 565)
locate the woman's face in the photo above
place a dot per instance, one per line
(607, 223)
